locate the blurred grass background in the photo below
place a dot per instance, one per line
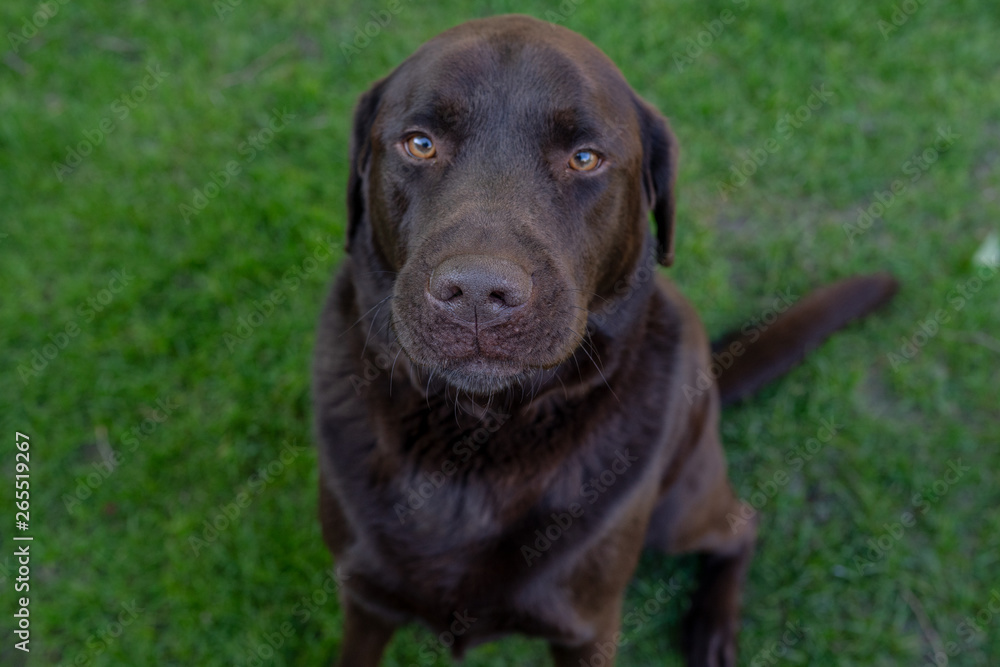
(115, 114)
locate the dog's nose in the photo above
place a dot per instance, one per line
(479, 288)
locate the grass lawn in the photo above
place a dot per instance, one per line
(172, 181)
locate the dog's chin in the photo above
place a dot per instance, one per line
(483, 378)
(480, 378)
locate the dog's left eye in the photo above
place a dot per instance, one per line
(420, 146)
(585, 160)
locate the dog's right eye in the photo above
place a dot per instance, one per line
(585, 160)
(420, 146)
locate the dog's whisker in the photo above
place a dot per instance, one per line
(597, 368)
(374, 318)
(385, 327)
(565, 391)
(392, 368)
(579, 371)
(358, 321)
(585, 341)
(455, 409)
(427, 391)
(587, 293)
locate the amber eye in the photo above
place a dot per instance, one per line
(420, 146)
(585, 160)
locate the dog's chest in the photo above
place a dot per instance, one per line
(497, 535)
(454, 556)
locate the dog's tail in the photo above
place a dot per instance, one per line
(766, 352)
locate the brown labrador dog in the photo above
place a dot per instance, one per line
(510, 402)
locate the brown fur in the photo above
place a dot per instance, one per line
(454, 431)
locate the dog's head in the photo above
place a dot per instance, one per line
(501, 183)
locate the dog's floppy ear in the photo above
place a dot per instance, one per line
(361, 150)
(659, 171)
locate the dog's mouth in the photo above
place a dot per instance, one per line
(483, 363)
(484, 324)
(476, 375)
(481, 377)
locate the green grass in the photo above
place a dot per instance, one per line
(174, 332)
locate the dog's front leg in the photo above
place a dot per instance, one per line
(365, 636)
(699, 513)
(601, 650)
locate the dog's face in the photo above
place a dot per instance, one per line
(504, 175)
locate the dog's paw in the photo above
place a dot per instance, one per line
(710, 637)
